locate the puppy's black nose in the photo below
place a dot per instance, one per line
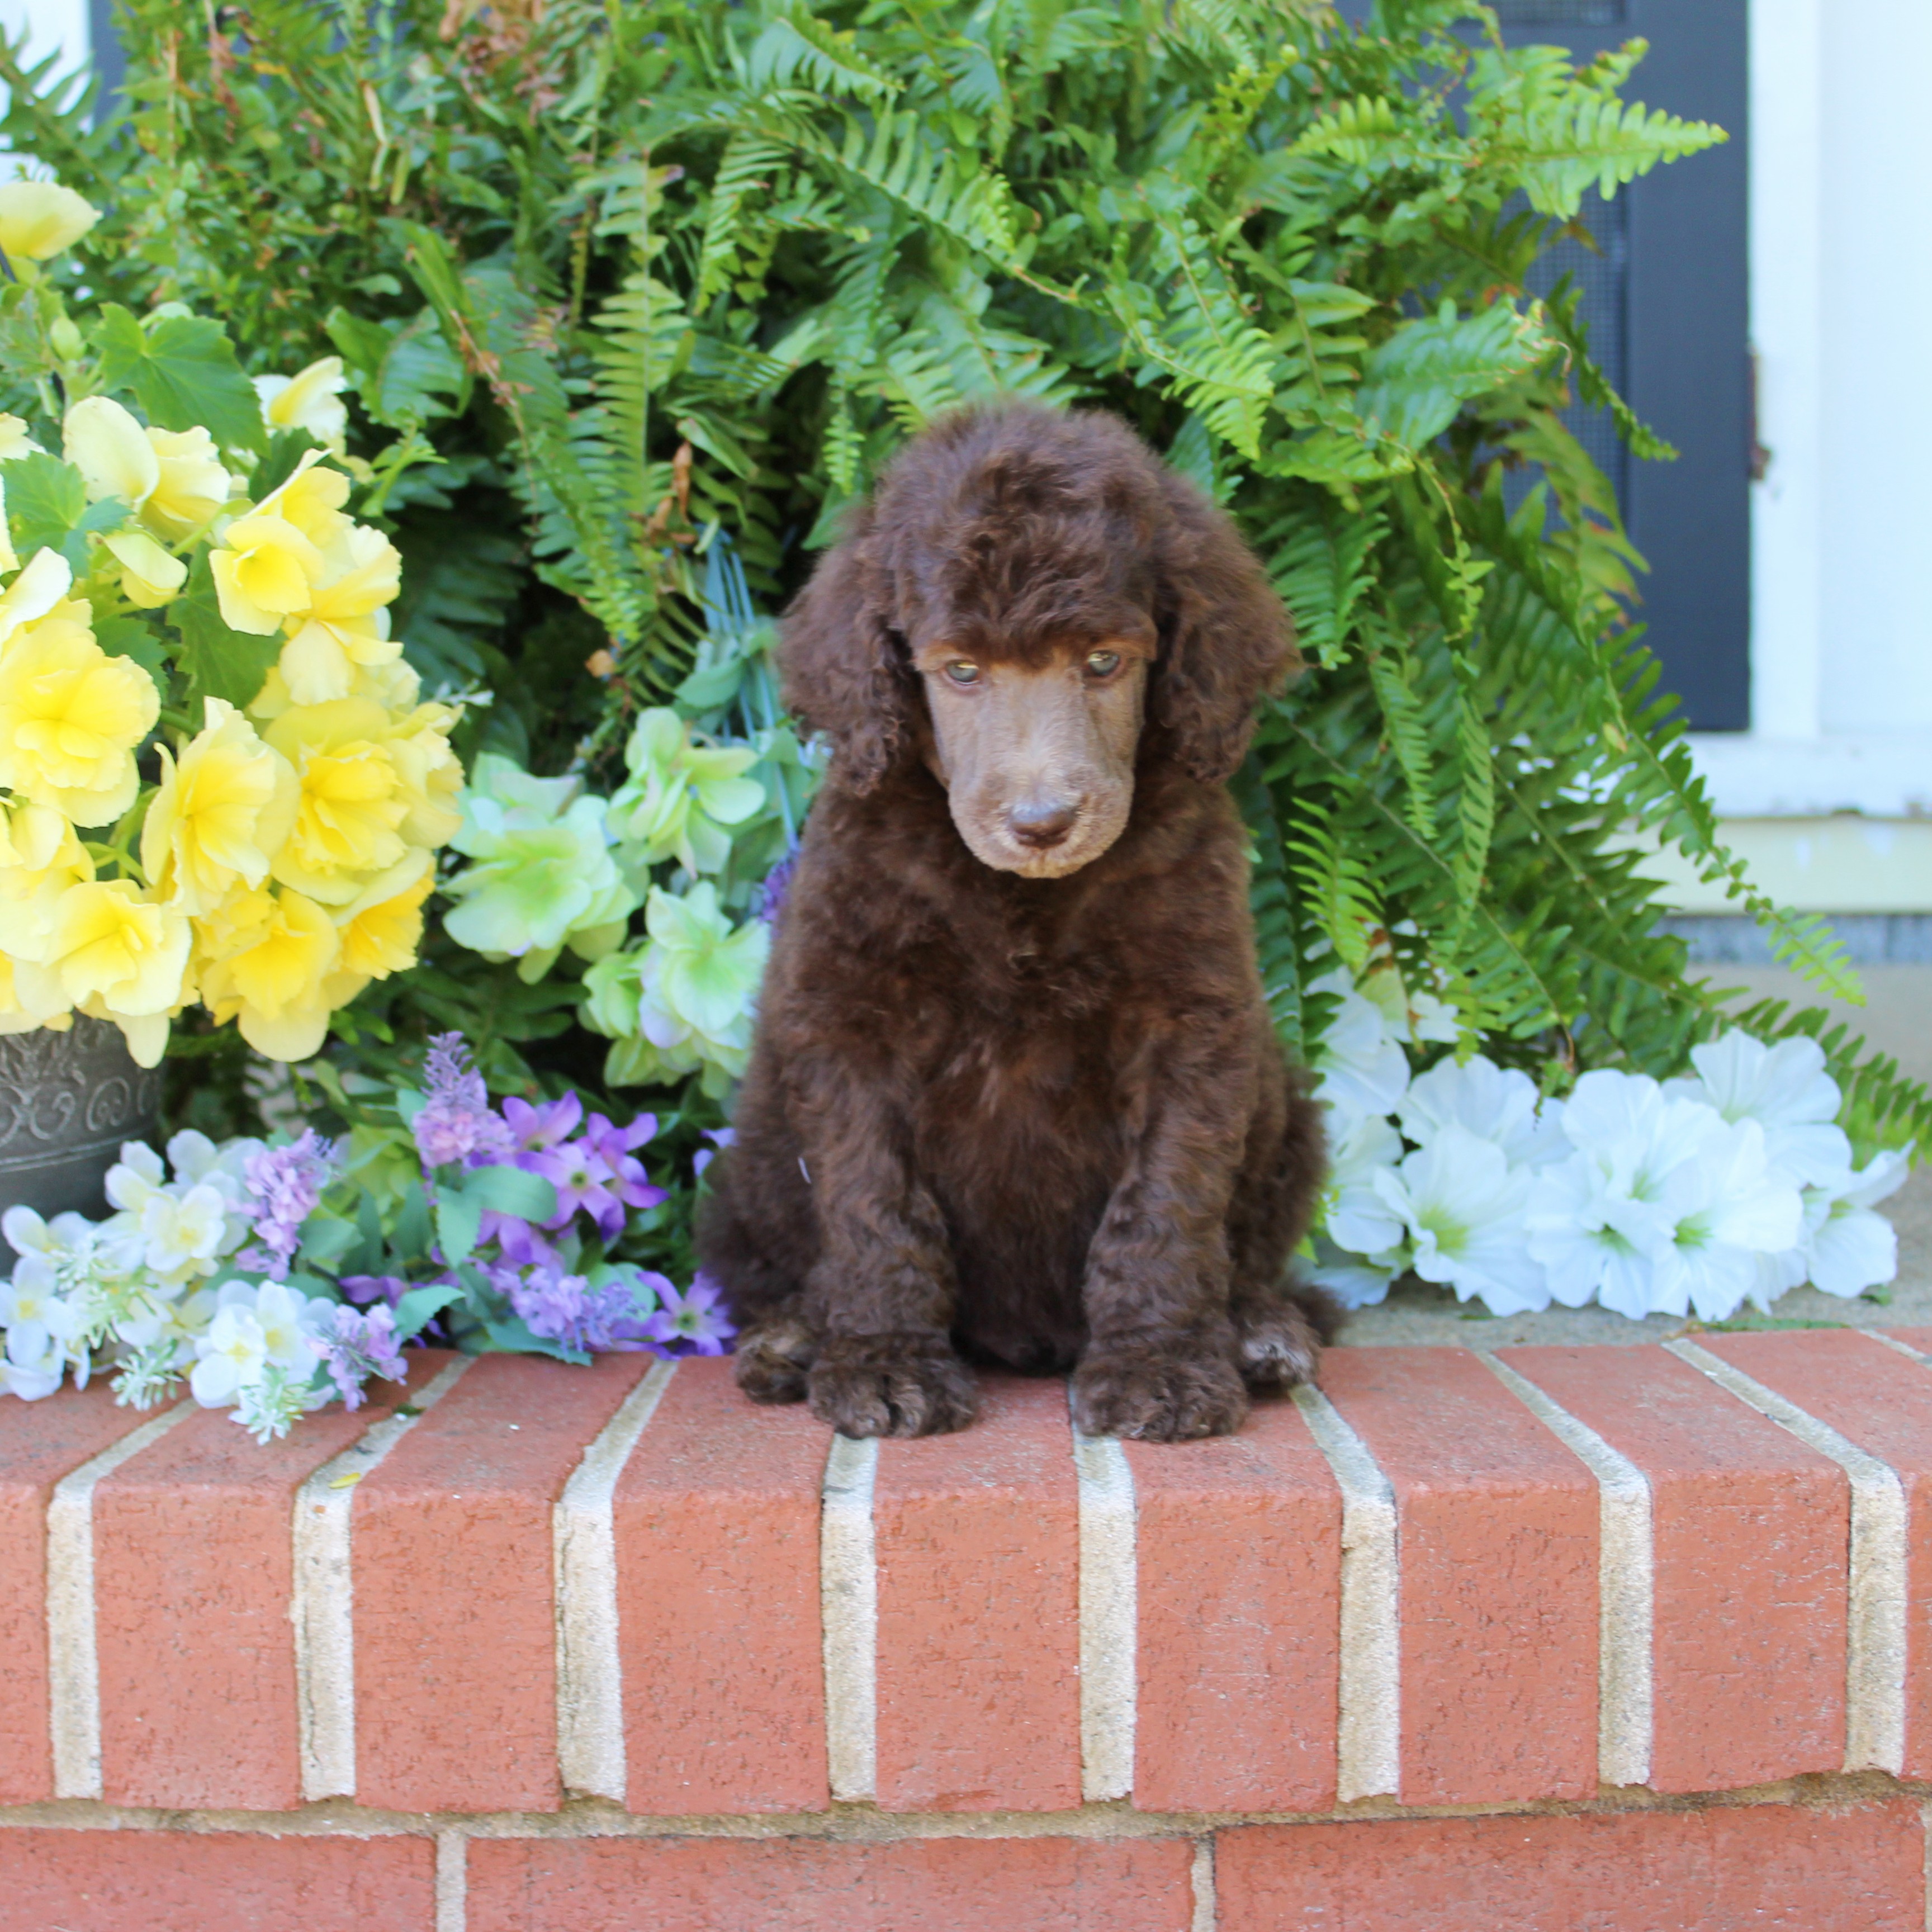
(1041, 824)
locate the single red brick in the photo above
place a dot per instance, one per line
(214, 1882)
(40, 1443)
(455, 1592)
(1766, 1867)
(1239, 1568)
(977, 1538)
(193, 1569)
(1497, 1523)
(809, 1884)
(1749, 1529)
(1881, 1400)
(716, 1523)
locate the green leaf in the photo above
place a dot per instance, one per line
(510, 1190)
(47, 509)
(459, 1218)
(513, 1337)
(421, 1306)
(183, 370)
(216, 662)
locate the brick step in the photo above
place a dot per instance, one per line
(597, 1626)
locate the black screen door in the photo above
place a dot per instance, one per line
(1666, 295)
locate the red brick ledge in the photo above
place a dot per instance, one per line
(1449, 1580)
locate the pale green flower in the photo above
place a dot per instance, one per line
(544, 877)
(680, 795)
(685, 1002)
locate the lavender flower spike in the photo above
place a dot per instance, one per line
(455, 1122)
(284, 1183)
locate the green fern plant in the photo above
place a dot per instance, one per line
(631, 276)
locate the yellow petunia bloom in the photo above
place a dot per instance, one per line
(310, 400)
(311, 499)
(14, 440)
(351, 806)
(149, 576)
(192, 486)
(272, 983)
(382, 930)
(116, 954)
(347, 626)
(220, 814)
(111, 450)
(39, 860)
(71, 719)
(427, 773)
(15, 1017)
(34, 592)
(38, 219)
(265, 571)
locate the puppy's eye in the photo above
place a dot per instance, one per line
(1102, 663)
(961, 672)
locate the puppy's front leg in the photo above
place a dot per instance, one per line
(1160, 1361)
(881, 1292)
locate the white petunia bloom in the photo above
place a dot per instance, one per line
(34, 1315)
(1846, 1248)
(182, 1231)
(1361, 1065)
(136, 1178)
(1461, 1203)
(1785, 1089)
(1363, 1245)
(1730, 1207)
(1494, 1104)
(233, 1352)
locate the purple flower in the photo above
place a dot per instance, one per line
(579, 1174)
(544, 1125)
(366, 1287)
(362, 1345)
(455, 1123)
(284, 1183)
(696, 1318)
(769, 901)
(566, 1308)
(516, 1241)
(720, 1137)
(629, 1182)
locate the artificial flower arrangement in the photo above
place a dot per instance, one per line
(1689, 1197)
(275, 1279)
(217, 782)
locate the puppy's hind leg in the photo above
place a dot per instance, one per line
(777, 1342)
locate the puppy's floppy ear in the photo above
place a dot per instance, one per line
(844, 671)
(1224, 637)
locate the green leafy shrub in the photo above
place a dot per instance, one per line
(615, 285)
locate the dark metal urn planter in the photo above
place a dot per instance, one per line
(67, 1100)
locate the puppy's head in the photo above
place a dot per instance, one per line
(1036, 607)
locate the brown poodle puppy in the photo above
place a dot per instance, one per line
(1015, 1093)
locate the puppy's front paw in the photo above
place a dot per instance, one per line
(773, 1357)
(1157, 1392)
(1278, 1349)
(893, 1385)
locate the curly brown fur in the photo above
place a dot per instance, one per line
(997, 1111)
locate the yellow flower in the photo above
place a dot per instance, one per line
(309, 401)
(14, 440)
(35, 591)
(265, 571)
(347, 626)
(427, 774)
(192, 486)
(149, 576)
(111, 450)
(14, 1018)
(117, 954)
(39, 858)
(383, 929)
(351, 804)
(219, 816)
(9, 558)
(38, 220)
(271, 983)
(311, 499)
(71, 719)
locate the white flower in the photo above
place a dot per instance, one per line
(1362, 1246)
(1461, 1203)
(31, 1311)
(1729, 1206)
(290, 1323)
(233, 1353)
(1785, 1089)
(1846, 1248)
(310, 400)
(1362, 1066)
(31, 1379)
(136, 1176)
(182, 1230)
(1493, 1104)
